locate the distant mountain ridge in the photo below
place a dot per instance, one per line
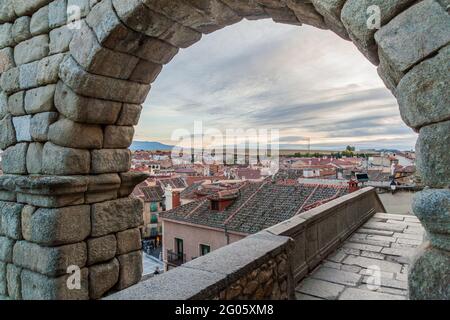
(154, 145)
(149, 146)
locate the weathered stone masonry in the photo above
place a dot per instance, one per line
(71, 94)
(257, 267)
(269, 282)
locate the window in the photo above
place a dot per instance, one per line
(154, 206)
(179, 248)
(215, 205)
(154, 218)
(204, 249)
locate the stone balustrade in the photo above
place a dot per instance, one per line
(321, 230)
(266, 265)
(256, 267)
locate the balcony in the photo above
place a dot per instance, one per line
(175, 259)
(295, 259)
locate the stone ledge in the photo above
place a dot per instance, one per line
(206, 276)
(62, 185)
(321, 212)
(44, 185)
(243, 256)
(60, 191)
(178, 284)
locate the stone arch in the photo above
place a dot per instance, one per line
(71, 94)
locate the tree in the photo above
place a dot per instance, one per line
(349, 151)
(350, 148)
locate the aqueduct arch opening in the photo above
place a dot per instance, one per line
(71, 94)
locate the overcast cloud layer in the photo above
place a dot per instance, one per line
(303, 81)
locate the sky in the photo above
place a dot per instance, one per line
(302, 81)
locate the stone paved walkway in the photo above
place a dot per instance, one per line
(371, 265)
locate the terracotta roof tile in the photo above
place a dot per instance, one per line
(258, 206)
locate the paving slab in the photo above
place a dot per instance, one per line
(393, 291)
(391, 221)
(412, 219)
(331, 264)
(381, 238)
(408, 236)
(374, 255)
(384, 226)
(384, 244)
(360, 246)
(415, 224)
(374, 231)
(369, 263)
(351, 251)
(405, 269)
(411, 230)
(320, 288)
(359, 294)
(399, 217)
(412, 242)
(354, 269)
(402, 260)
(337, 256)
(383, 274)
(358, 236)
(301, 296)
(388, 283)
(337, 276)
(396, 252)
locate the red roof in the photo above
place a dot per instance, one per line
(191, 180)
(248, 173)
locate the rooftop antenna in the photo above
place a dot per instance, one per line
(309, 144)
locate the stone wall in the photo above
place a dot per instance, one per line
(266, 265)
(257, 267)
(269, 281)
(320, 231)
(39, 246)
(72, 89)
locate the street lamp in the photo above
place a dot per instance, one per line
(393, 186)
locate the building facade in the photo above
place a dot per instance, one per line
(226, 215)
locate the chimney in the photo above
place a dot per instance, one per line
(176, 199)
(223, 199)
(353, 186)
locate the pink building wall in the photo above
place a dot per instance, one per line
(192, 236)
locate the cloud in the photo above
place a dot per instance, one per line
(303, 81)
(291, 139)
